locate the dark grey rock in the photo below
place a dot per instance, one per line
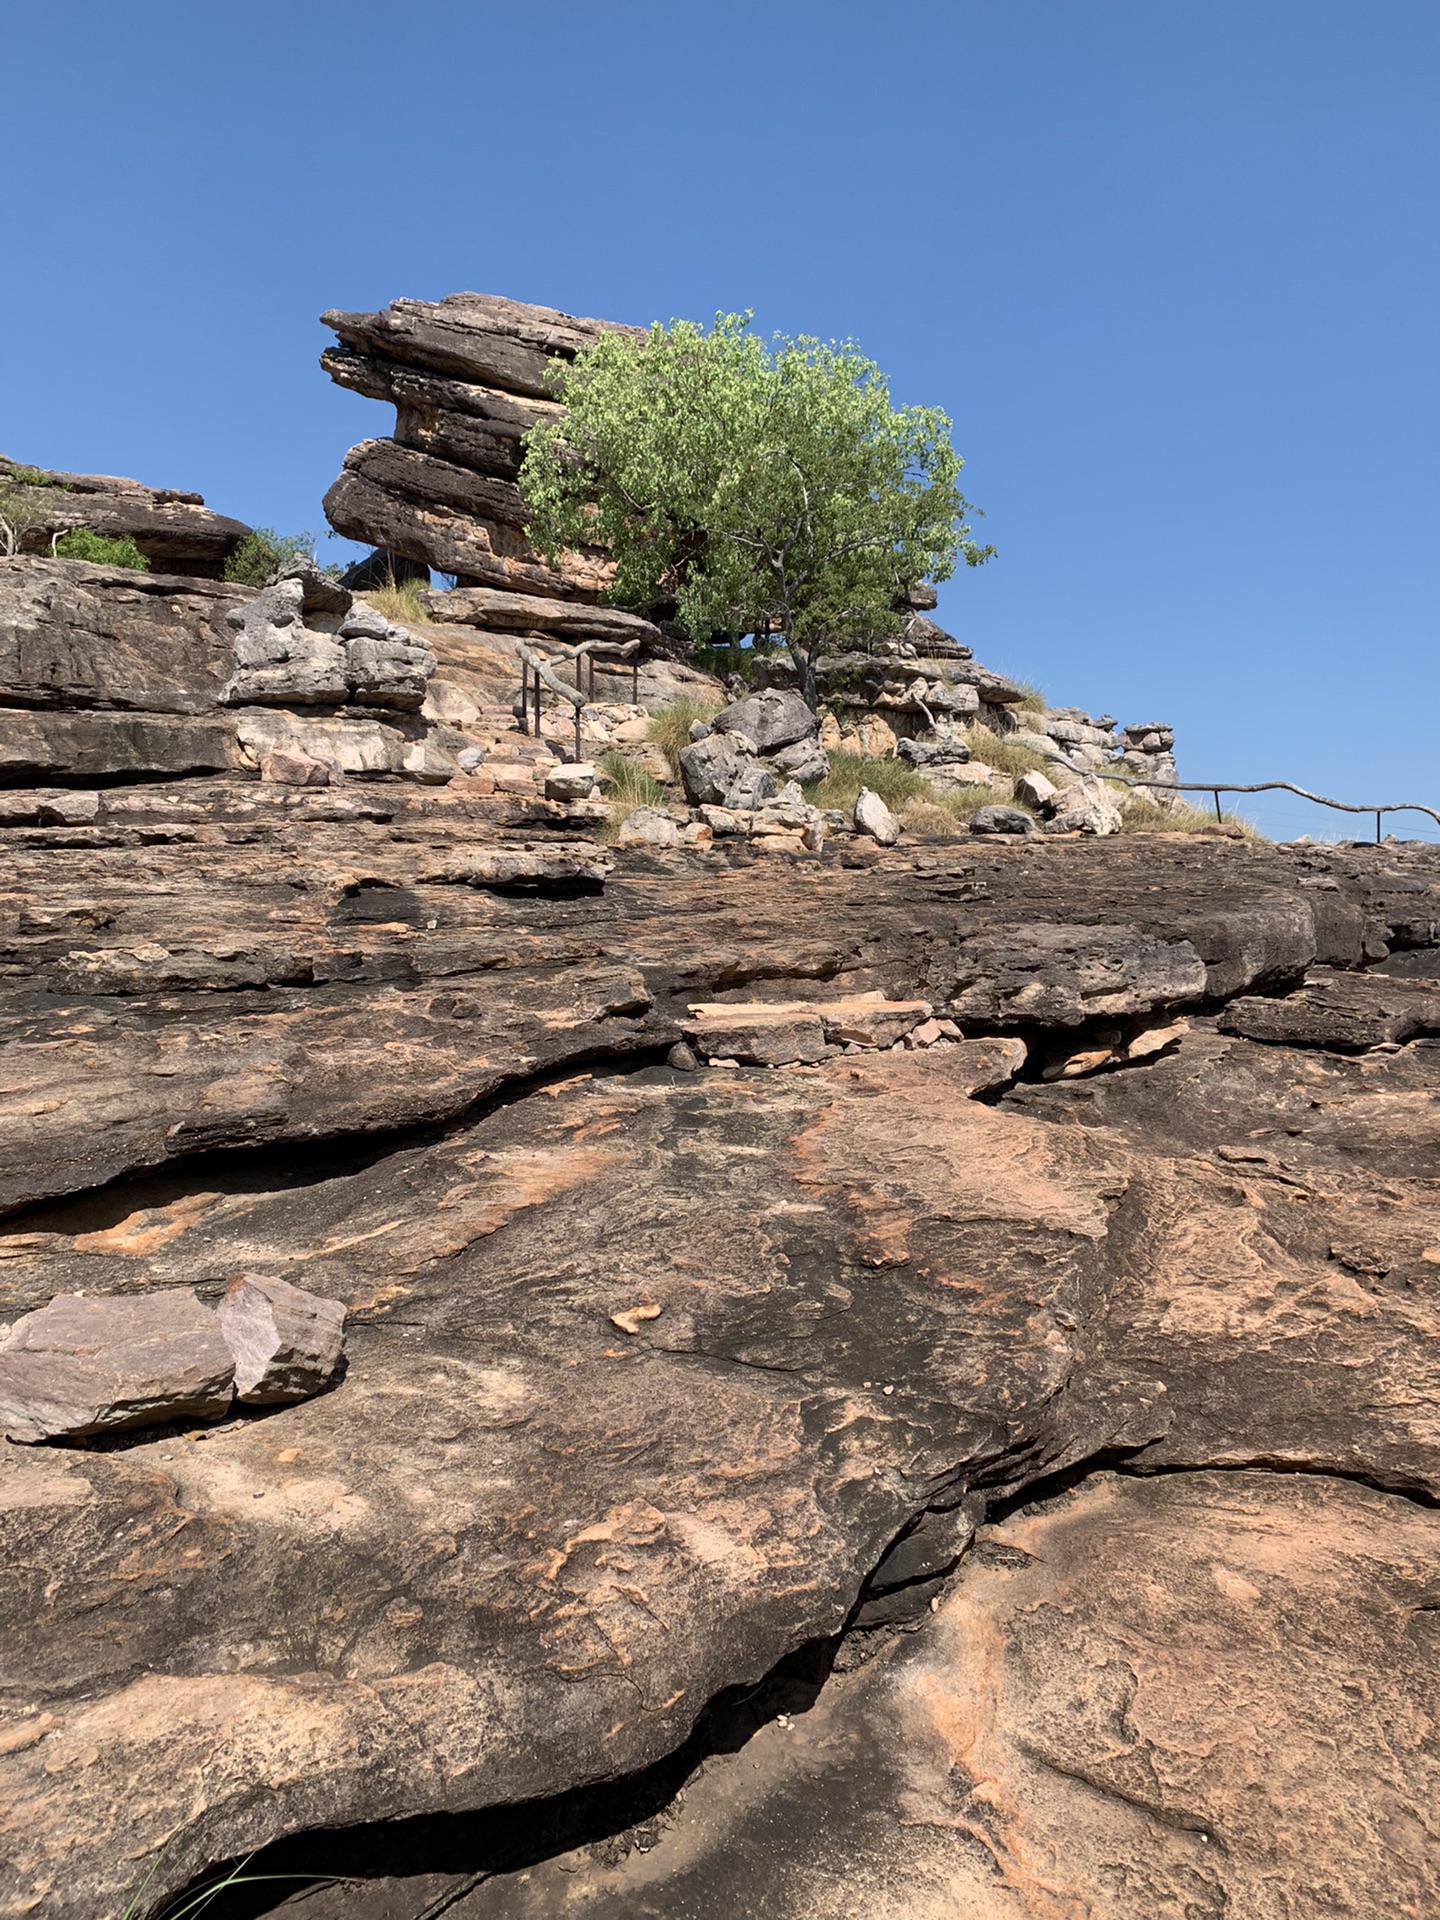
(805, 761)
(1002, 820)
(709, 768)
(771, 718)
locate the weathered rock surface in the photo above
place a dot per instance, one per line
(655, 1376)
(1120, 1710)
(1340, 1010)
(74, 635)
(474, 337)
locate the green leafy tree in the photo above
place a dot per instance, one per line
(262, 552)
(758, 488)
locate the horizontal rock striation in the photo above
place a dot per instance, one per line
(468, 376)
(746, 1237)
(176, 532)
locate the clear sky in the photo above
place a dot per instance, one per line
(1171, 269)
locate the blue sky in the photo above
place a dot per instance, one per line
(1171, 269)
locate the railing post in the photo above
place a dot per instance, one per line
(1378, 812)
(1219, 817)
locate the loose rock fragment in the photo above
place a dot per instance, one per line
(79, 1366)
(1001, 820)
(873, 817)
(286, 1341)
(631, 1319)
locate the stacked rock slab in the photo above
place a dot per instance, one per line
(110, 676)
(467, 376)
(176, 531)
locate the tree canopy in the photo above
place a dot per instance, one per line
(765, 488)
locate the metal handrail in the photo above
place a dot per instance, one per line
(1217, 787)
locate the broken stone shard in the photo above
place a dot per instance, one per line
(286, 1341)
(79, 1366)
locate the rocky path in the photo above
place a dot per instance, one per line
(1064, 1449)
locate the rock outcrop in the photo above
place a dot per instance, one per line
(966, 1314)
(658, 1374)
(468, 376)
(175, 531)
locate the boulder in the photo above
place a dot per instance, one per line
(291, 767)
(286, 1341)
(770, 1036)
(805, 761)
(709, 768)
(1036, 791)
(1086, 807)
(874, 818)
(82, 1366)
(573, 781)
(302, 642)
(648, 827)
(770, 720)
(1002, 820)
(948, 751)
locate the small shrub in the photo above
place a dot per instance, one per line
(670, 727)
(895, 781)
(1006, 756)
(101, 549)
(262, 551)
(399, 600)
(31, 477)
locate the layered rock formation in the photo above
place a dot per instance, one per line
(467, 376)
(175, 531)
(964, 1314)
(659, 1377)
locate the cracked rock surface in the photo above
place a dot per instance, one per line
(655, 1378)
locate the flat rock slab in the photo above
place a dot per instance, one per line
(1345, 1011)
(1208, 1695)
(78, 1367)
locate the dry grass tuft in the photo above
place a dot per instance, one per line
(1140, 814)
(896, 782)
(1006, 756)
(670, 727)
(400, 601)
(630, 787)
